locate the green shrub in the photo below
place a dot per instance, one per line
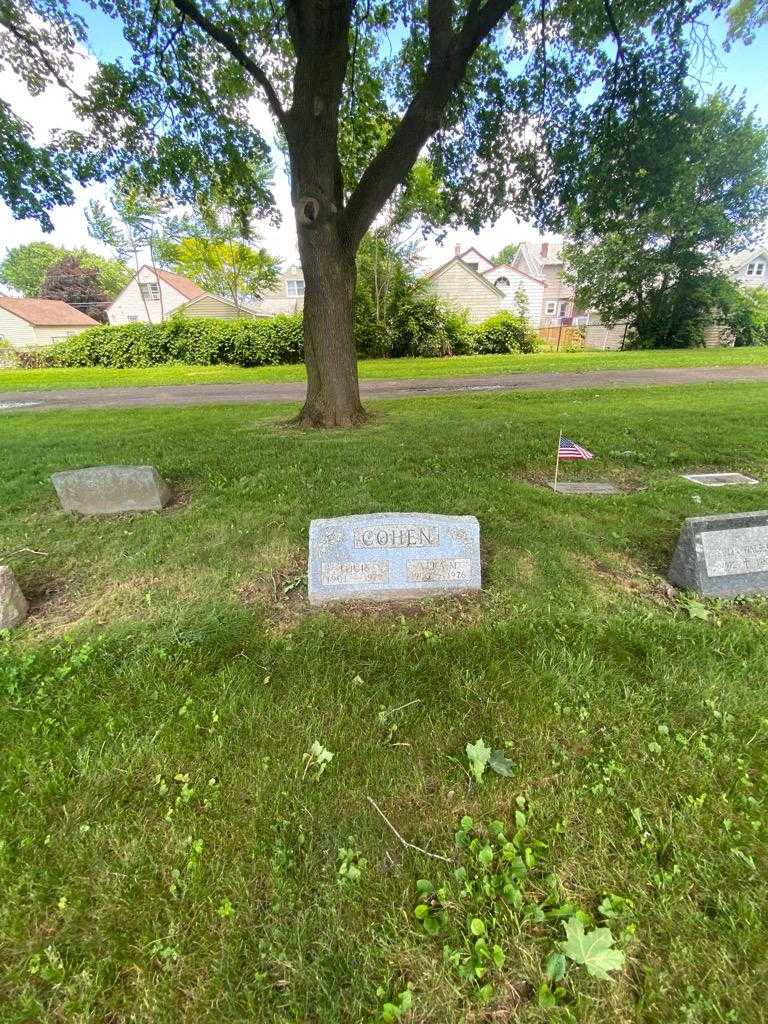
(195, 341)
(505, 332)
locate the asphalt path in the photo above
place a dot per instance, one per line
(248, 394)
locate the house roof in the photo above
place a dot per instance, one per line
(457, 259)
(243, 307)
(182, 284)
(46, 312)
(515, 270)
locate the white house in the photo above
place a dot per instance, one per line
(473, 282)
(750, 269)
(153, 294)
(36, 323)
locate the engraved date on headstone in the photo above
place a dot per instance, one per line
(439, 570)
(339, 574)
(738, 551)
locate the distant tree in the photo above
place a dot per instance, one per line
(214, 244)
(229, 268)
(507, 254)
(136, 225)
(659, 204)
(25, 266)
(71, 282)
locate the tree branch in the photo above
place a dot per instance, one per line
(440, 25)
(227, 40)
(28, 38)
(390, 167)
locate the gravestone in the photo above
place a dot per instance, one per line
(106, 489)
(390, 556)
(720, 479)
(13, 604)
(584, 487)
(722, 556)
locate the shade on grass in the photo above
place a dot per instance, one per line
(163, 855)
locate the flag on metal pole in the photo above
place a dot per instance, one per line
(567, 449)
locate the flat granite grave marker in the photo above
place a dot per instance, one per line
(102, 490)
(13, 604)
(722, 556)
(390, 556)
(720, 479)
(584, 487)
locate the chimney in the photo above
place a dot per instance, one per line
(544, 250)
(457, 249)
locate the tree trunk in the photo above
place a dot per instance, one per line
(333, 394)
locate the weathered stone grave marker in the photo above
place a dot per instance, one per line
(584, 487)
(392, 556)
(720, 479)
(722, 556)
(13, 604)
(101, 490)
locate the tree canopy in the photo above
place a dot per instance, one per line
(663, 205)
(69, 281)
(24, 267)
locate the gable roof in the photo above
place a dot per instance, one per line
(243, 307)
(457, 259)
(182, 284)
(515, 270)
(46, 312)
(476, 252)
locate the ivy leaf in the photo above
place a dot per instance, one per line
(479, 756)
(591, 949)
(501, 764)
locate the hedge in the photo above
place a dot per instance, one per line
(423, 327)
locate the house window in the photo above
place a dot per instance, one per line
(472, 266)
(550, 306)
(150, 292)
(502, 282)
(295, 288)
(756, 269)
(564, 308)
(132, 319)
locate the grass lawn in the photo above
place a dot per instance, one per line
(384, 369)
(166, 856)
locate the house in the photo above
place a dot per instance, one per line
(472, 282)
(153, 294)
(287, 296)
(750, 269)
(36, 323)
(558, 301)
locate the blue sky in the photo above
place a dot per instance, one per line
(743, 69)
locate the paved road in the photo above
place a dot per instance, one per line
(247, 394)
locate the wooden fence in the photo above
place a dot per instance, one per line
(562, 337)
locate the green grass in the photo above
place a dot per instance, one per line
(155, 710)
(385, 369)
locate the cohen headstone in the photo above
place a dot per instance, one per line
(13, 604)
(722, 556)
(102, 490)
(392, 556)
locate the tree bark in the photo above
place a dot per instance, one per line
(333, 394)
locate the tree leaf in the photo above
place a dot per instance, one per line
(501, 764)
(479, 755)
(591, 949)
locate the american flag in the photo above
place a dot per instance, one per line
(570, 450)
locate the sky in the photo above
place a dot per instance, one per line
(742, 69)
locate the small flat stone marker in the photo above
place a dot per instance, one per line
(722, 556)
(720, 479)
(584, 487)
(13, 604)
(106, 489)
(391, 556)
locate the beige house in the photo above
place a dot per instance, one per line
(153, 294)
(472, 282)
(287, 296)
(750, 269)
(36, 323)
